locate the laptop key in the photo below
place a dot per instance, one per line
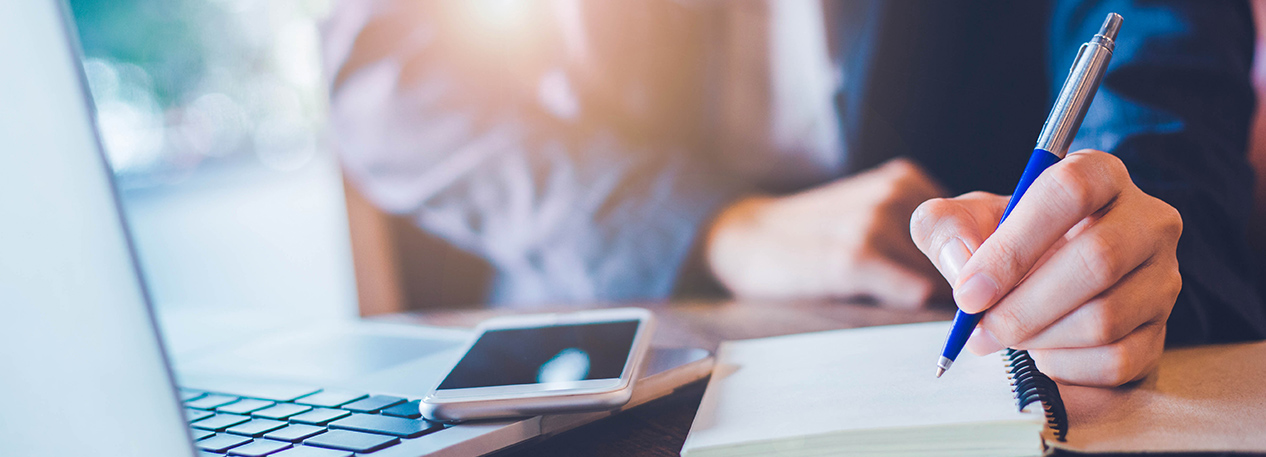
(348, 440)
(245, 406)
(319, 416)
(210, 401)
(309, 451)
(200, 434)
(219, 422)
(221, 442)
(410, 410)
(386, 425)
(197, 414)
(281, 411)
(295, 433)
(331, 398)
(259, 448)
(373, 404)
(256, 427)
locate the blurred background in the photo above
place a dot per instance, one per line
(214, 117)
(212, 113)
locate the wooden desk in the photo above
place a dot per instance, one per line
(659, 428)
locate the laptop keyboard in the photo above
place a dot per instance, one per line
(301, 422)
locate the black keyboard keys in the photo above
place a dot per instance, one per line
(281, 411)
(331, 398)
(319, 416)
(352, 441)
(395, 426)
(219, 422)
(256, 427)
(259, 448)
(373, 404)
(409, 410)
(295, 433)
(221, 442)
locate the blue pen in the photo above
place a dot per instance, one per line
(1052, 145)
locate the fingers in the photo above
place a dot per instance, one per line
(1141, 297)
(948, 230)
(1085, 266)
(1063, 195)
(1128, 359)
(888, 281)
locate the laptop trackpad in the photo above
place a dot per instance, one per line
(377, 357)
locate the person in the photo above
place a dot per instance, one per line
(803, 149)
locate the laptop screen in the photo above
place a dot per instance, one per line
(76, 333)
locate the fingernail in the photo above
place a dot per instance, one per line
(976, 294)
(952, 258)
(983, 343)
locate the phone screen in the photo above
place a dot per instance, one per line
(545, 355)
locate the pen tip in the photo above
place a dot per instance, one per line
(942, 365)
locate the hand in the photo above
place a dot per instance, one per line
(1083, 274)
(845, 239)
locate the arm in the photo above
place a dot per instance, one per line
(513, 147)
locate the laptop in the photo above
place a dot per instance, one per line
(83, 368)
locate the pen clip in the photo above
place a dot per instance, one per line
(1080, 51)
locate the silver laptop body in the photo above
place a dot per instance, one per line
(82, 365)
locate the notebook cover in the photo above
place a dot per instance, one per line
(1206, 398)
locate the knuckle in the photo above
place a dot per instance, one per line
(1170, 221)
(1117, 366)
(1099, 261)
(1073, 185)
(1104, 326)
(1175, 285)
(1111, 162)
(902, 168)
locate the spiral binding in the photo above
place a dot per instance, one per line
(1031, 385)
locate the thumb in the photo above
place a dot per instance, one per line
(949, 230)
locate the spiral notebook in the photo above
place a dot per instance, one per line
(872, 391)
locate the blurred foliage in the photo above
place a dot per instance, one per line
(160, 36)
(183, 86)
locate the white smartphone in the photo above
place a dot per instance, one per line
(544, 364)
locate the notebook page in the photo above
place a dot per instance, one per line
(873, 378)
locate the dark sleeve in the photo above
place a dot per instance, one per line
(491, 143)
(1175, 106)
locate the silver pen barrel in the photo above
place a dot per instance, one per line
(1079, 89)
